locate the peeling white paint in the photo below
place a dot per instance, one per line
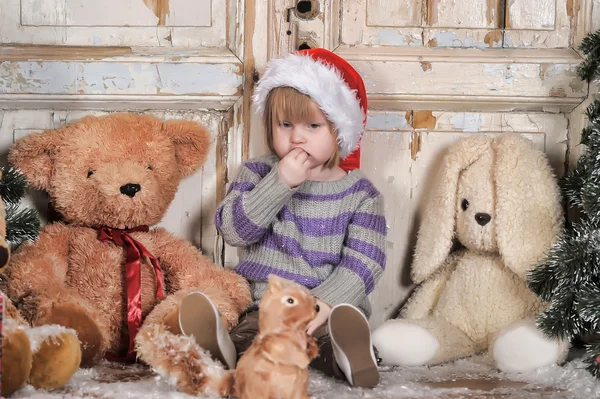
(223, 79)
(120, 78)
(395, 37)
(387, 121)
(467, 122)
(450, 39)
(37, 77)
(506, 71)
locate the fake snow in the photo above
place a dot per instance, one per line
(469, 378)
(37, 335)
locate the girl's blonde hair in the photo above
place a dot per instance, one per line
(288, 104)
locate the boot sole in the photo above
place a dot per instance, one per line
(348, 327)
(199, 318)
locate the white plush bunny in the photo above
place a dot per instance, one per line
(500, 199)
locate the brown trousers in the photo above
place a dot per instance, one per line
(243, 334)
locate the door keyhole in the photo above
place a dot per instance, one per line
(303, 7)
(307, 9)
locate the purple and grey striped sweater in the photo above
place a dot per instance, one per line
(327, 236)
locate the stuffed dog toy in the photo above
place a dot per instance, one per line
(500, 200)
(276, 364)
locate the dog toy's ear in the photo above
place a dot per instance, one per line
(436, 232)
(528, 204)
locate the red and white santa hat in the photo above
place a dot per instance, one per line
(332, 83)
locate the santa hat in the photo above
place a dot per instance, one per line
(332, 83)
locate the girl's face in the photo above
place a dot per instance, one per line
(312, 133)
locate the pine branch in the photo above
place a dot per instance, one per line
(12, 186)
(587, 304)
(590, 47)
(593, 112)
(592, 358)
(21, 224)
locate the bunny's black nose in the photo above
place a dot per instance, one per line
(482, 218)
(130, 189)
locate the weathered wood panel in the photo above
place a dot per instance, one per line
(163, 23)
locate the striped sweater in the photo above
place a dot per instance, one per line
(326, 236)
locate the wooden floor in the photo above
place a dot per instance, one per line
(469, 378)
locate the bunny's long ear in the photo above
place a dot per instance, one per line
(528, 205)
(436, 231)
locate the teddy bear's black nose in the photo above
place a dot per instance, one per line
(130, 189)
(482, 218)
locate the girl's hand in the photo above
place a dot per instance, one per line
(322, 316)
(294, 168)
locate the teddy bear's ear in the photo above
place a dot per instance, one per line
(436, 232)
(528, 204)
(33, 155)
(192, 142)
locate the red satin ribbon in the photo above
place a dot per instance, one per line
(135, 250)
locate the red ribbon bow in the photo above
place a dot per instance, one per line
(135, 250)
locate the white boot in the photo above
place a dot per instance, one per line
(352, 346)
(400, 343)
(199, 317)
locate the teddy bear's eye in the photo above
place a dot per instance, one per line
(464, 205)
(90, 173)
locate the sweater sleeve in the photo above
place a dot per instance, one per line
(251, 204)
(363, 257)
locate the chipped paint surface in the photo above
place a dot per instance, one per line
(122, 13)
(425, 66)
(386, 121)
(392, 37)
(160, 8)
(415, 145)
(187, 23)
(384, 13)
(467, 122)
(38, 77)
(482, 76)
(120, 78)
(452, 39)
(424, 120)
(519, 14)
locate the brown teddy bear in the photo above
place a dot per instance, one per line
(102, 272)
(45, 356)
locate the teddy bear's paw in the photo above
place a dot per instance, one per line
(56, 356)
(72, 316)
(521, 348)
(401, 343)
(16, 358)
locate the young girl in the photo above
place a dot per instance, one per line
(301, 215)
